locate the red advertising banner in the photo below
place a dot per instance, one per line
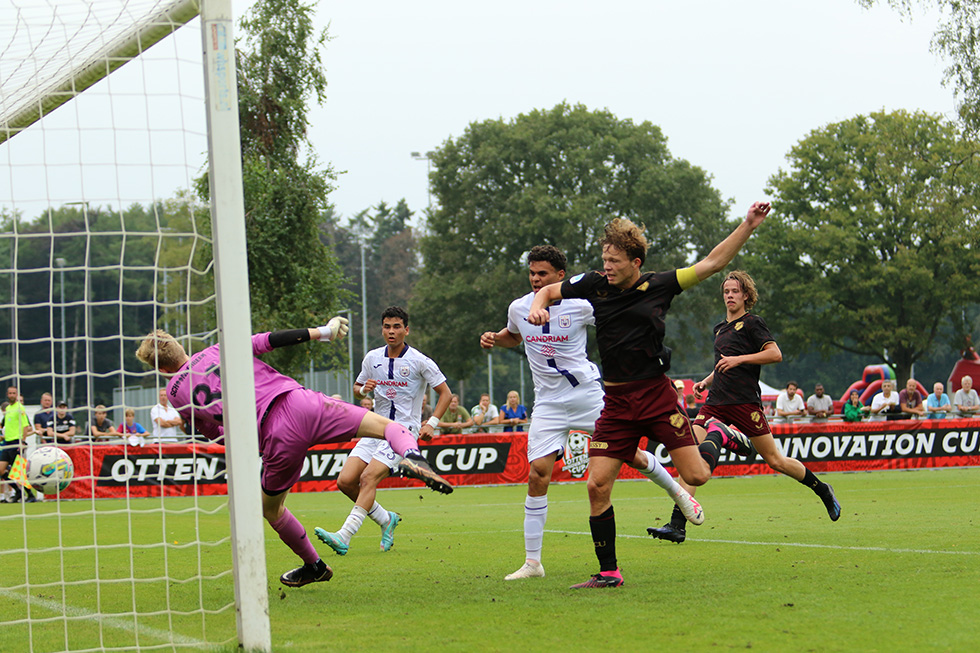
(106, 471)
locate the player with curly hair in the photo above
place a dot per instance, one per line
(630, 307)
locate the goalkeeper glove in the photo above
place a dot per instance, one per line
(335, 328)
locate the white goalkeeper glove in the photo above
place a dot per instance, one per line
(335, 329)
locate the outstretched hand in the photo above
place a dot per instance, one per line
(335, 329)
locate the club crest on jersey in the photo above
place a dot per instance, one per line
(404, 371)
(756, 417)
(564, 321)
(739, 325)
(676, 420)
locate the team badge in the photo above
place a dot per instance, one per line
(404, 370)
(677, 420)
(576, 456)
(564, 321)
(739, 325)
(643, 286)
(756, 417)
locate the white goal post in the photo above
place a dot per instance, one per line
(93, 132)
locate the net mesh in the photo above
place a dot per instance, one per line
(103, 239)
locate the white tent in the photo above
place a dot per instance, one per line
(768, 392)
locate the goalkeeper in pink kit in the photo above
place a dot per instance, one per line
(291, 419)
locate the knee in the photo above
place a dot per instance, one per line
(272, 514)
(696, 477)
(347, 484)
(777, 463)
(370, 478)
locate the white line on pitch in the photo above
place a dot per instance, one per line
(113, 622)
(797, 544)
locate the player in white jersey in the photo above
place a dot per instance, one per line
(398, 375)
(567, 397)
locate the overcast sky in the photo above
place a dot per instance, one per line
(733, 85)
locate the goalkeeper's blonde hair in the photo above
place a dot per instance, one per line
(160, 350)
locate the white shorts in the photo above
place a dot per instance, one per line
(553, 418)
(378, 449)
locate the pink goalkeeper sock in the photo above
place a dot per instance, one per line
(400, 438)
(292, 533)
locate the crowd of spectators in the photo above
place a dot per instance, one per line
(887, 404)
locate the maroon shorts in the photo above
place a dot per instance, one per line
(747, 418)
(636, 409)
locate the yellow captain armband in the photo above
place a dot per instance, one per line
(687, 278)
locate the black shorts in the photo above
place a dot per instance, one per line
(9, 451)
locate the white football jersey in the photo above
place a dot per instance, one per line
(556, 349)
(401, 383)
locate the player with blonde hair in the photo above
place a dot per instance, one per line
(291, 419)
(630, 308)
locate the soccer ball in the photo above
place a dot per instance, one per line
(49, 470)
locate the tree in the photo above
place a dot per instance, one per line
(550, 177)
(957, 38)
(293, 278)
(875, 245)
(390, 261)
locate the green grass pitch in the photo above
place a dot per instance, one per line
(768, 571)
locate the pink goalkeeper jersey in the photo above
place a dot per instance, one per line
(196, 388)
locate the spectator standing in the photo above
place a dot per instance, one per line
(64, 425)
(819, 405)
(455, 419)
(44, 420)
(789, 403)
(16, 427)
(101, 426)
(853, 410)
(165, 419)
(426, 408)
(938, 402)
(966, 400)
(513, 413)
(484, 414)
(885, 402)
(910, 400)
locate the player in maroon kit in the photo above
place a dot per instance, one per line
(743, 343)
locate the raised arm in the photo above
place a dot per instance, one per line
(544, 298)
(725, 251)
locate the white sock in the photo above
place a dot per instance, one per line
(659, 475)
(379, 515)
(535, 516)
(352, 524)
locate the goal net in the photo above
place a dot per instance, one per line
(104, 236)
